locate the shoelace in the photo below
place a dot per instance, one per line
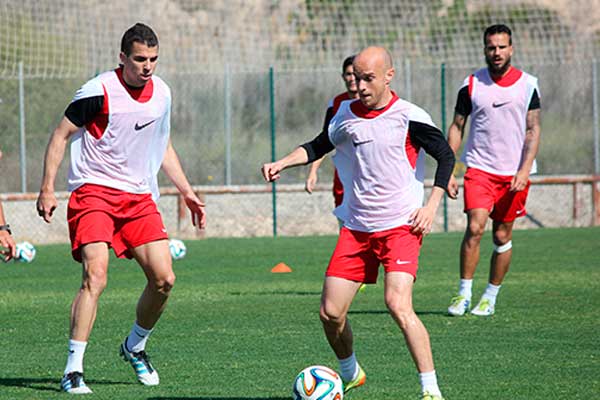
(145, 359)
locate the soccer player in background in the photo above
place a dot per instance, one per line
(119, 126)
(504, 105)
(377, 139)
(350, 93)
(6, 240)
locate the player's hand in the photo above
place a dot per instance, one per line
(452, 188)
(519, 181)
(311, 182)
(46, 204)
(421, 220)
(9, 245)
(196, 207)
(271, 171)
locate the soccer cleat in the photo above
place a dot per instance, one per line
(140, 362)
(427, 396)
(360, 380)
(459, 305)
(484, 308)
(73, 383)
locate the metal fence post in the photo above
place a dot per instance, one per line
(407, 80)
(272, 114)
(443, 106)
(595, 111)
(23, 152)
(227, 127)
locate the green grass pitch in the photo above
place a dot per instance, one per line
(235, 331)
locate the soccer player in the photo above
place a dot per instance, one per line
(377, 139)
(6, 240)
(504, 105)
(350, 93)
(119, 124)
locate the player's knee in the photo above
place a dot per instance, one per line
(502, 248)
(95, 283)
(502, 237)
(475, 230)
(331, 315)
(165, 284)
(403, 314)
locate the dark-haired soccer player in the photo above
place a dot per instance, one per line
(377, 140)
(504, 105)
(334, 104)
(119, 125)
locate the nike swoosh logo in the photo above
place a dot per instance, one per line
(363, 142)
(139, 127)
(402, 262)
(496, 105)
(71, 351)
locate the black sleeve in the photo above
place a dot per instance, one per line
(82, 111)
(463, 102)
(534, 104)
(320, 145)
(433, 142)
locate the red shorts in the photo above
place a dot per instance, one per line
(357, 255)
(490, 191)
(120, 219)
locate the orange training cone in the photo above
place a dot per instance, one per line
(281, 268)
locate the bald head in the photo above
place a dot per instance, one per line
(373, 70)
(378, 56)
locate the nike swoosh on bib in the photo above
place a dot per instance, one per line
(496, 105)
(139, 127)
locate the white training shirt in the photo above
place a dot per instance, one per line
(130, 151)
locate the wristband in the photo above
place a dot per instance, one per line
(6, 228)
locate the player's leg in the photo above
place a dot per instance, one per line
(398, 298)
(336, 299)
(499, 265)
(83, 313)
(155, 260)
(469, 259)
(347, 270)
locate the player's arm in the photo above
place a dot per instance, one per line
(174, 171)
(530, 145)
(432, 140)
(456, 131)
(312, 178)
(304, 154)
(55, 151)
(6, 240)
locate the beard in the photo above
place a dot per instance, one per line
(497, 70)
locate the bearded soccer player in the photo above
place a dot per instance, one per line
(334, 104)
(119, 126)
(504, 105)
(377, 140)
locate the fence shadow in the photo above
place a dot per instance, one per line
(49, 384)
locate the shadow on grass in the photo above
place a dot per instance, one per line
(49, 384)
(218, 398)
(278, 292)
(375, 312)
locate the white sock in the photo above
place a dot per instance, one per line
(136, 341)
(349, 368)
(75, 358)
(465, 288)
(491, 291)
(429, 383)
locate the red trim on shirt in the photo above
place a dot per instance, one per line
(337, 100)
(142, 94)
(412, 151)
(361, 111)
(471, 77)
(509, 79)
(97, 126)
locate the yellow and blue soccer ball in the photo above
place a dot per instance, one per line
(25, 252)
(318, 383)
(177, 249)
